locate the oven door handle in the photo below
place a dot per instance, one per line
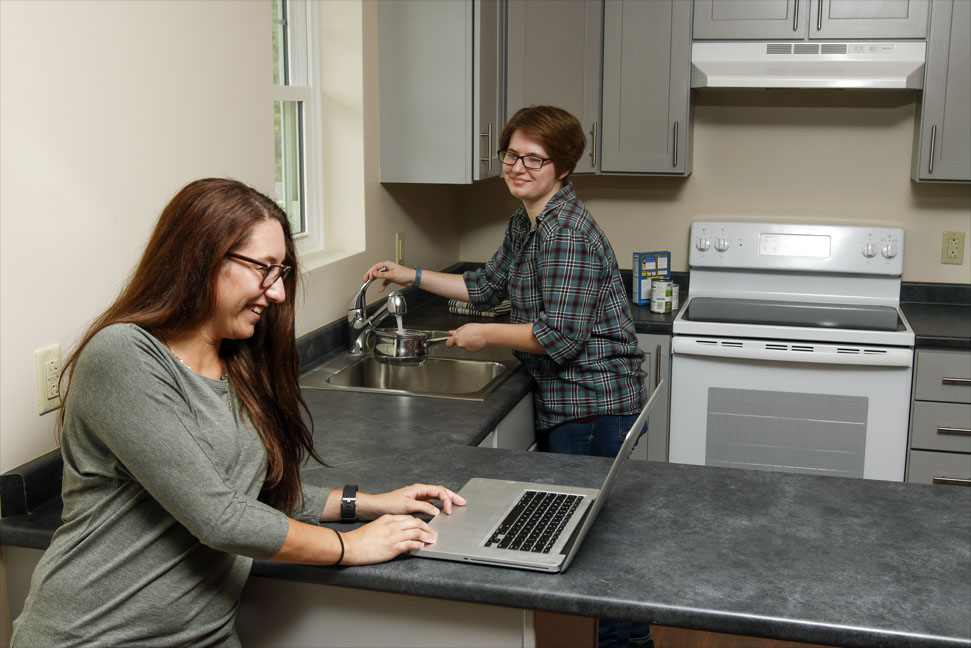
(887, 357)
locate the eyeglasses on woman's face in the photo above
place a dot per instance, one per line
(533, 162)
(270, 272)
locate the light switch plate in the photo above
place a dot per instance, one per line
(399, 247)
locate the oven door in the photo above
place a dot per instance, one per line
(790, 406)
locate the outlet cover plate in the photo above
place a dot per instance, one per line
(47, 373)
(952, 248)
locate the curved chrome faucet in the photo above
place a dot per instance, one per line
(361, 326)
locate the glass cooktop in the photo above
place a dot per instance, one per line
(784, 313)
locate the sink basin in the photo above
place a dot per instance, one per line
(447, 373)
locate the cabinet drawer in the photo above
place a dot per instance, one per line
(926, 466)
(941, 426)
(943, 376)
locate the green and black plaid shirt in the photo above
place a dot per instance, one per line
(562, 277)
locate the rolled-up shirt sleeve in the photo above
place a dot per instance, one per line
(489, 285)
(570, 279)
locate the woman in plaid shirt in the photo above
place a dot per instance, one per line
(570, 319)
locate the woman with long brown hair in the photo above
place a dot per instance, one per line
(182, 440)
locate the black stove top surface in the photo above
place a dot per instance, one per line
(787, 313)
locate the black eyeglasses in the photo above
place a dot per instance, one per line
(270, 272)
(529, 161)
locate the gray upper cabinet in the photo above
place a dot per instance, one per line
(942, 146)
(441, 90)
(633, 102)
(646, 87)
(553, 58)
(802, 19)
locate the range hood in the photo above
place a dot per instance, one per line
(881, 65)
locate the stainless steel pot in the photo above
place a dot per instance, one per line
(403, 346)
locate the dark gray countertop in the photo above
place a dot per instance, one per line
(940, 314)
(798, 557)
(940, 325)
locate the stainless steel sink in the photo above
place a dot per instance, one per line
(447, 373)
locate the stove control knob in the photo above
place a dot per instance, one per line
(721, 243)
(869, 250)
(889, 250)
(703, 243)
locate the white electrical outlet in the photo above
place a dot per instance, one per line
(952, 249)
(47, 372)
(399, 247)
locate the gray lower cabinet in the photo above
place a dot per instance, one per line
(940, 419)
(942, 138)
(516, 430)
(657, 366)
(441, 90)
(633, 102)
(809, 19)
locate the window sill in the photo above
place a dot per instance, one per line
(314, 260)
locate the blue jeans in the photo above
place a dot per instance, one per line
(599, 437)
(602, 437)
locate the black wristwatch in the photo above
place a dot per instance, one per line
(349, 504)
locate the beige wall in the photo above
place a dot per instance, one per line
(108, 108)
(841, 157)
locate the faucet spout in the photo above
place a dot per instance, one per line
(361, 326)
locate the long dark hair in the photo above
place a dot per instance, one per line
(173, 290)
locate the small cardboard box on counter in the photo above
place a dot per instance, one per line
(647, 267)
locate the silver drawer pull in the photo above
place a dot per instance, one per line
(953, 430)
(952, 481)
(489, 154)
(956, 381)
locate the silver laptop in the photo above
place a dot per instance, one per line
(526, 525)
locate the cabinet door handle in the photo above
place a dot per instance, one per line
(657, 365)
(795, 16)
(819, 15)
(593, 146)
(953, 430)
(956, 381)
(930, 160)
(675, 144)
(952, 481)
(488, 157)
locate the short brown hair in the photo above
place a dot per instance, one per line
(558, 131)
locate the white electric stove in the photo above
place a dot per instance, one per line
(791, 352)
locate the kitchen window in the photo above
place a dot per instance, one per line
(297, 119)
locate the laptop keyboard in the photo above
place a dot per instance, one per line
(535, 522)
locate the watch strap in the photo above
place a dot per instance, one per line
(349, 504)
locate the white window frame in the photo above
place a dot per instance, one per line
(304, 87)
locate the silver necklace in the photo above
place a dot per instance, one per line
(225, 379)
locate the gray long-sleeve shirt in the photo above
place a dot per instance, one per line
(161, 517)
